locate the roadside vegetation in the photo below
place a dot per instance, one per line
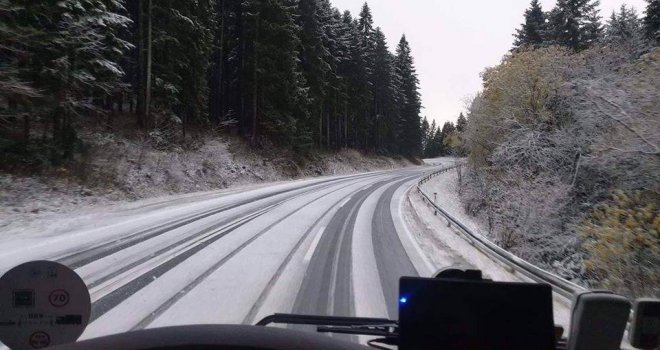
(564, 140)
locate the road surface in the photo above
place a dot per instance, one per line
(327, 246)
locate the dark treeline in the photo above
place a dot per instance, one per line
(448, 140)
(297, 72)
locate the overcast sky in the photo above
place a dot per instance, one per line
(454, 40)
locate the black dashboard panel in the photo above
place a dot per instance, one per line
(474, 315)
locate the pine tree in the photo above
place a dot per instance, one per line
(448, 130)
(623, 25)
(72, 59)
(217, 83)
(15, 36)
(531, 32)
(385, 95)
(341, 54)
(353, 69)
(436, 142)
(367, 36)
(367, 49)
(461, 123)
(574, 24)
(426, 129)
(314, 58)
(409, 124)
(652, 21)
(624, 29)
(279, 100)
(334, 42)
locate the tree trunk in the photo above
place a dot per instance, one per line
(255, 82)
(345, 124)
(147, 92)
(327, 130)
(221, 59)
(321, 126)
(26, 127)
(366, 130)
(184, 122)
(240, 96)
(139, 109)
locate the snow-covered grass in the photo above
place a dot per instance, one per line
(117, 168)
(445, 190)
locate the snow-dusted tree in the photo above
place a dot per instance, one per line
(278, 95)
(195, 23)
(385, 104)
(335, 43)
(16, 91)
(314, 59)
(409, 126)
(434, 141)
(574, 24)
(461, 123)
(652, 21)
(339, 45)
(426, 131)
(70, 57)
(217, 82)
(623, 25)
(366, 32)
(624, 30)
(531, 32)
(367, 37)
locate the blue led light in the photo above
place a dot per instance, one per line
(403, 300)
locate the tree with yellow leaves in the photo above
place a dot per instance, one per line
(622, 240)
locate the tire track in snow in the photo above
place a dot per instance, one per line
(81, 258)
(391, 258)
(120, 294)
(171, 301)
(193, 237)
(314, 295)
(250, 317)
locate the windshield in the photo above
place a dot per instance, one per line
(216, 162)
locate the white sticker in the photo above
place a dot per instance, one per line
(42, 303)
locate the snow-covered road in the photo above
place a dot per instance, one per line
(327, 246)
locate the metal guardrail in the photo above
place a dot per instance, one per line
(559, 285)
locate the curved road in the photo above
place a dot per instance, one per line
(328, 246)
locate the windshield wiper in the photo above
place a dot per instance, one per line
(380, 327)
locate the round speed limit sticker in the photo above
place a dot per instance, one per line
(59, 297)
(42, 304)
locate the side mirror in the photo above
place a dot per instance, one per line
(645, 325)
(598, 321)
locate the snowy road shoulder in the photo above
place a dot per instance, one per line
(442, 243)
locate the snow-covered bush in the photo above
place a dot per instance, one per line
(554, 134)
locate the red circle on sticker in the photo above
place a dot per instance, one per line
(39, 340)
(58, 297)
